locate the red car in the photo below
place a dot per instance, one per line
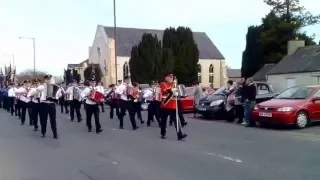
(297, 106)
(187, 102)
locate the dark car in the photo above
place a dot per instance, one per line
(213, 105)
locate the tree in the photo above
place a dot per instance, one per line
(67, 76)
(29, 75)
(143, 57)
(76, 76)
(164, 63)
(185, 52)
(267, 43)
(92, 69)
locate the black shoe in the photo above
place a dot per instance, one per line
(121, 127)
(35, 129)
(163, 137)
(22, 124)
(184, 124)
(142, 122)
(135, 128)
(170, 124)
(89, 130)
(148, 124)
(182, 136)
(99, 131)
(43, 136)
(55, 137)
(79, 120)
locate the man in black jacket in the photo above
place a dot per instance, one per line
(250, 92)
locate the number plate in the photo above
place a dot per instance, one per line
(202, 109)
(263, 114)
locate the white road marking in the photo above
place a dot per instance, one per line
(224, 157)
(114, 162)
(114, 129)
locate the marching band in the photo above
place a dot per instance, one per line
(39, 101)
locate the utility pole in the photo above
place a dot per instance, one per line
(34, 51)
(115, 39)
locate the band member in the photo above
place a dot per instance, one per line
(75, 103)
(169, 106)
(137, 100)
(152, 96)
(17, 106)
(101, 89)
(62, 102)
(5, 98)
(113, 101)
(34, 97)
(48, 108)
(126, 104)
(92, 107)
(23, 101)
(11, 98)
(1, 96)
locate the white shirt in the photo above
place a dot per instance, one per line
(100, 88)
(121, 91)
(86, 92)
(148, 94)
(11, 92)
(42, 89)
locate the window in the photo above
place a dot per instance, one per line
(126, 69)
(263, 89)
(295, 93)
(211, 79)
(317, 94)
(199, 73)
(318, 79)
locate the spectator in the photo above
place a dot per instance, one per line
(197, 94)
(230, 101)
(239, 112)
(250, 92)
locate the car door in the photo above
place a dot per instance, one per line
(314, 108)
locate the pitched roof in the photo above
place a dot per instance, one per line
(233, 73)
(128, 37)
(306, 59)
(261, 75)
(71, 66)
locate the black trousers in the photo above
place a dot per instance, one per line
(127, 106)
(102, 106)
(48, 110)
(1, 101)
(35, 114)
(24, 107)
(93, 109)
(75, 106)
(164, 116)
(137, 110)
(153, 111)
(239, 112)
(180, 113)
(114, 105)
(64, 105)
(6, 103)
(17, 108)
(11, 105)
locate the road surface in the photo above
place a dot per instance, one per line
(212, 151)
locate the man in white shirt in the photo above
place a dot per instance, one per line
(101, 89)
(17, 106)
(33, 95)
(126, 103)
(24, 101)
(48, 108)
(152, 95)
(75, 103)
(92, 107)
(11, 98)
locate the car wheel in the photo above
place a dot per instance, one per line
(302, 120)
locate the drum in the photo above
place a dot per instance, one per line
(52, 91)
(96, 96)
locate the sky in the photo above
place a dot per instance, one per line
(64, 29)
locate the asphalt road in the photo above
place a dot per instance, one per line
(212, 151)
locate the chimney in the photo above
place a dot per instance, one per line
(293, 45)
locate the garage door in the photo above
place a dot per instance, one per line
(291, 82)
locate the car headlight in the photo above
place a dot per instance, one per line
(256, 108)
(216, 103)
(285, 109)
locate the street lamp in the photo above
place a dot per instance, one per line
(34, 51)
(115, 38)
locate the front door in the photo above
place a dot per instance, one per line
(314, 108)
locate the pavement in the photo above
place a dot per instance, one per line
(214, 150)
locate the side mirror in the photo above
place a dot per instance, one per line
(315, 99)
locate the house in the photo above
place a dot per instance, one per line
(211, 61)
(234, 74)
(261, 75)
(79, 67)
(300, 67)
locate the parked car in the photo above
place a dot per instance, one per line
(296, 106)
(213, 105)
(187, 102)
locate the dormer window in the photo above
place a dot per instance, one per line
(99, 52)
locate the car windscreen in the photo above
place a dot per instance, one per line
(220, 91)
(295, 93)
